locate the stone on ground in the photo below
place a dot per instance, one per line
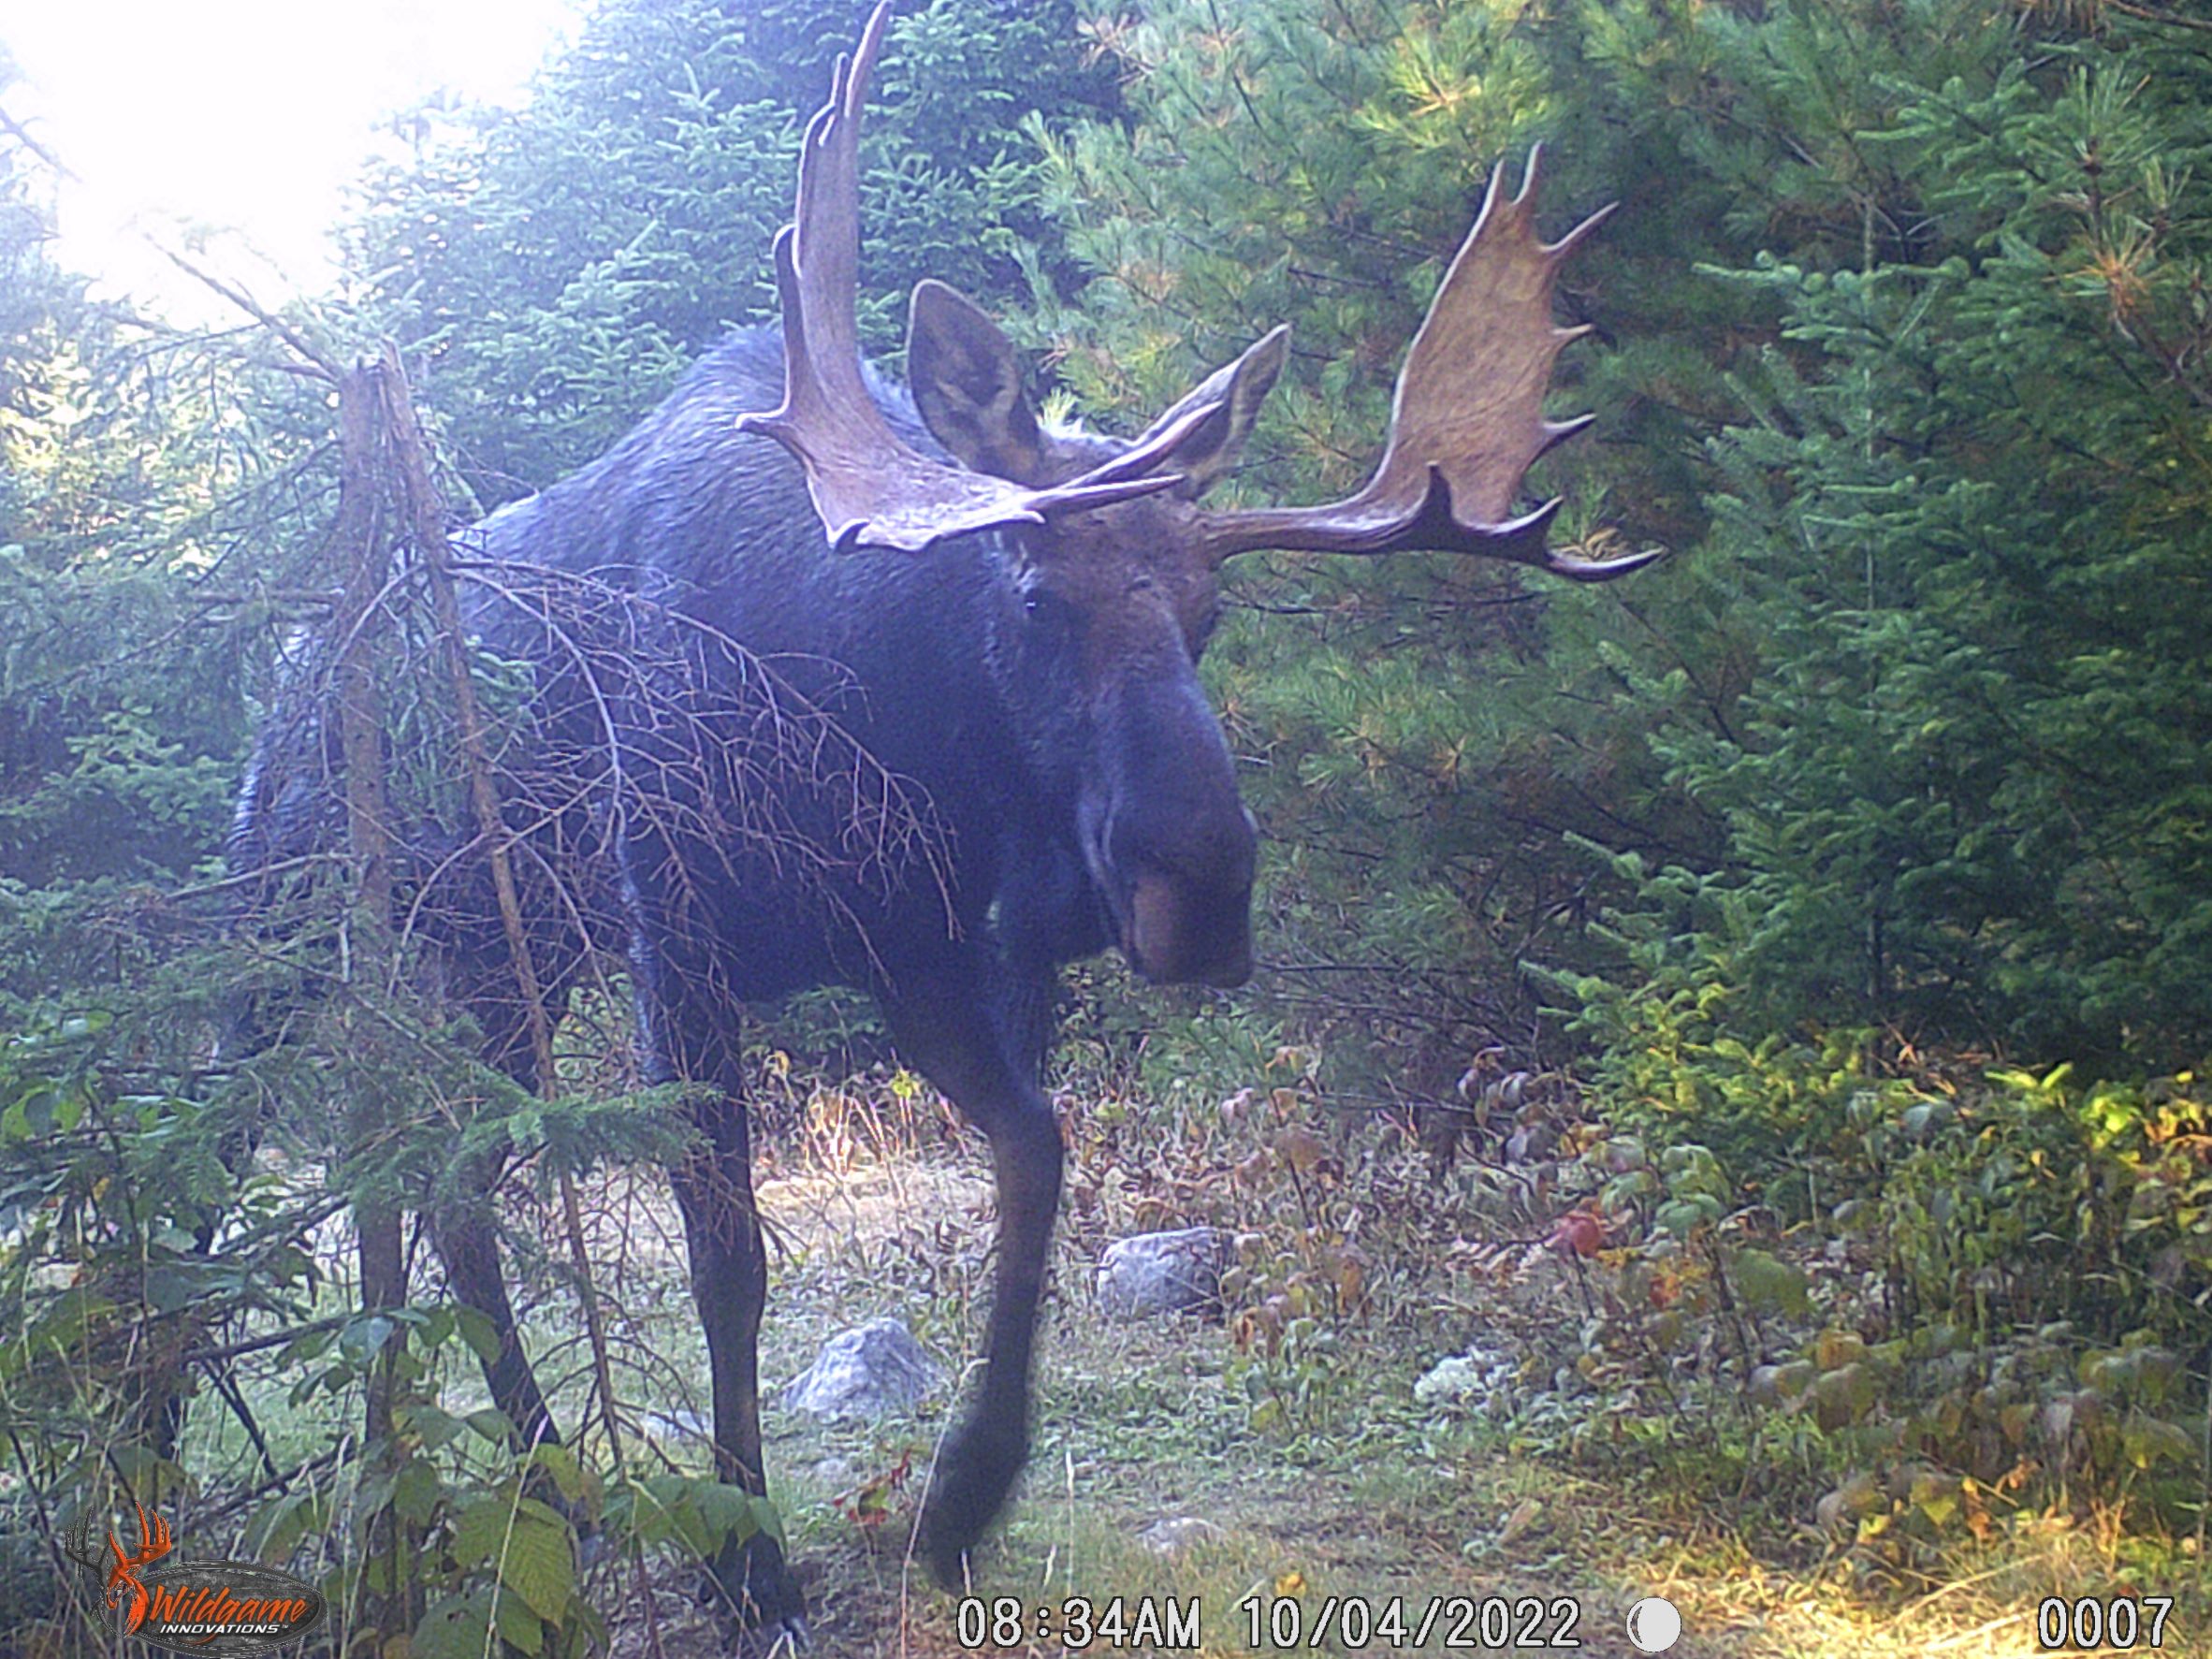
(1179, 1532)
(870, 1371)
(1478, 1380)
(1161, 1273)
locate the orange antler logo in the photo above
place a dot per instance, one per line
(155, 1541)
(235, 1608)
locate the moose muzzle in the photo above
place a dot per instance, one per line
(1169, 842)
(1177, 936)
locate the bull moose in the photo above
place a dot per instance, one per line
(1008, 618)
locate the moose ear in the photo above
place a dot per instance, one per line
(969, 387)
(1235, 391)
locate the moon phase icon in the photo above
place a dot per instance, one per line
(1654, 1625)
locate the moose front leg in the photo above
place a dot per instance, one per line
(730, 1288)
(688, 1043)
(956, 1046)
(977, 1469)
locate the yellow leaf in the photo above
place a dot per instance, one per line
(1300, 1148)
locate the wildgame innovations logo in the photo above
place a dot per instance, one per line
(217, 1607)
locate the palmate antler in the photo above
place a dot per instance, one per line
(1465, 426)
(1467, 421)
(869, 486)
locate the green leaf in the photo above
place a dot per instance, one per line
(540, 1565)
(2149, 1441)
(417, 1491)
(492, 1424)
(1771, 1285)
(360, 1339)
(309, 1345)
(278, 1528)
(481, 1529)
(731, 1513)
(72, 1318)
(529, 1545)
(432, 1424)
(520, 1623)
(479, 1333)
(1936, 1496)
(560, 1463)
(455, 1627)
(1843, 1395)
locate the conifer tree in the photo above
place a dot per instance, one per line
(1966, 788)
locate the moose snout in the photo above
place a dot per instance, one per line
(1188, 912)
(1170, 844)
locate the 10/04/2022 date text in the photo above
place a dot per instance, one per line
(1284, 1623)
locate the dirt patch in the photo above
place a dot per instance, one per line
(874, 1201)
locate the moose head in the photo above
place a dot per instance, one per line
(1118, 582)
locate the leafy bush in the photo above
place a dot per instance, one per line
(1962, 1300)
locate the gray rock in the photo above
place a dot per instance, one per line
(1477, 1380)
(836, 1471)
(1178, 1534)
(1161, 1273)
(870, 1371)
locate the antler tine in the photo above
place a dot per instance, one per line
(77, 1546)
(824, 239)
(155, 1540)
(869, 487)
(1467, 420)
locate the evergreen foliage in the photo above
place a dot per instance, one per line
(141, 472)
(1962, 789)
(557, 266)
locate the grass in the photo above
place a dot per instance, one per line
(1356, 1498)
(1143, 1422)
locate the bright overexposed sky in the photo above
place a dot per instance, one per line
(245, 117)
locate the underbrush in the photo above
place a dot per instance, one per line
(1955, 1301)
(1955, 1317)
(1953, 1307)
(1882, 1318)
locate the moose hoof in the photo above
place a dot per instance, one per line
(974, 1474)
(757, 1601)
(779, 1639)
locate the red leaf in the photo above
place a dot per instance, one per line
(1578, 1233)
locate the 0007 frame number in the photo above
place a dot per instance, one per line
(2101, 1622)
